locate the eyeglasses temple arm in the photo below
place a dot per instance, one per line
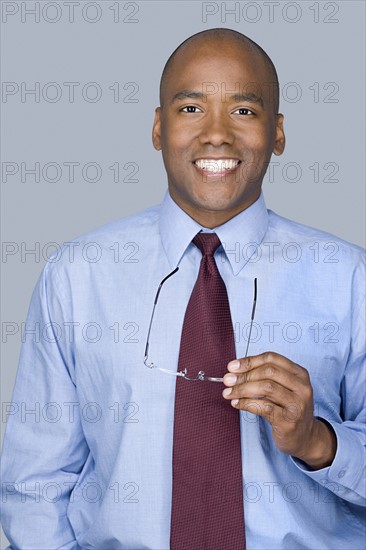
(153, 311)
(254, 299)
(252, 316)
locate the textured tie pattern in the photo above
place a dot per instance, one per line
(207, 500)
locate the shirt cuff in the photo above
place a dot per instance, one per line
(346, 468)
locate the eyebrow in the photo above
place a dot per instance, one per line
(192, 94)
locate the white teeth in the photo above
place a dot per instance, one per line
(216, 165)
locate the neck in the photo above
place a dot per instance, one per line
(213, 218)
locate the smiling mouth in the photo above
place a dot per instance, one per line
(213, 167)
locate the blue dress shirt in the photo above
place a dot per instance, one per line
(87, 457)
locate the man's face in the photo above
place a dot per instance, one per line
(216, 145)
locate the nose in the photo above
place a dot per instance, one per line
(216, 130)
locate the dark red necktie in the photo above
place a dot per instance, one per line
(207, 499)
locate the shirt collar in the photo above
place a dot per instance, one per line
(177, 230)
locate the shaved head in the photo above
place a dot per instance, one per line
(224, 36)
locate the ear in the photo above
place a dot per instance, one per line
(280, 139)
(156, 131)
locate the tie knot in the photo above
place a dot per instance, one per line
(207, 243)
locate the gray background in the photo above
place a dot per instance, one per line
(317, 47)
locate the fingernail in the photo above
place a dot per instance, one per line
(227, 392)
(234, 364)
(234, 402)
(230, 379)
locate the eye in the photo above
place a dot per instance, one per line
(190, 109)
(244, 111)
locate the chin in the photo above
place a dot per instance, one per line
(221, 202)
(217, 205)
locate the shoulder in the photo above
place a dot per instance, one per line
(105, 247)
(310, 239)
(142, 224)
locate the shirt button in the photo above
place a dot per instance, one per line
(341, 473)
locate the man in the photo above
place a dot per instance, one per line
(113, 455)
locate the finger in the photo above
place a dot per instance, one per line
(259, 407)
(277, 416)
(261, 389)
(267, 373)
(269, 358)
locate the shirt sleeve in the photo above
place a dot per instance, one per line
(44, 447)
(346, 475)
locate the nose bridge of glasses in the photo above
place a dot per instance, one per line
(201, 376)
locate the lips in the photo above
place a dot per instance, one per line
(216, 166)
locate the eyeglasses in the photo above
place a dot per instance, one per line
(183, 373)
